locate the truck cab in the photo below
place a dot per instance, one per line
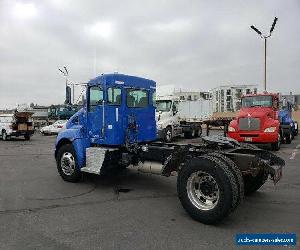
(119, 112)
(167, 119)
(288, 125)
(257, 120)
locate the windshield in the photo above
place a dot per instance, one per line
(163, 105)
(257, 101)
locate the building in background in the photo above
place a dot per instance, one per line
(294, 99)
(192, 95)
(227, 98)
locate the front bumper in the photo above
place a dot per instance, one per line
(254, 137)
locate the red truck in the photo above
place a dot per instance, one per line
(257, 121)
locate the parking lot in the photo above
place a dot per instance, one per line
(130, 210)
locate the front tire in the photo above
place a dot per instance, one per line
(67, 164)
(276, 145)
(4, 136)
(207, 189)
(296, 129)
(168, 134)
(288, 138)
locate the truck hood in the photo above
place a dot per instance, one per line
(258, 112)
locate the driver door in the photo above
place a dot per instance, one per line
(95, 113)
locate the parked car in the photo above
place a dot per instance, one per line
(16, 124)
(54, 128)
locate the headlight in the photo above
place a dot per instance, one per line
(270, 130)
(231, 129)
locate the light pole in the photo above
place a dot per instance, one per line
(265, 37)
(65, 72)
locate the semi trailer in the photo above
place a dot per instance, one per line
(116, 129)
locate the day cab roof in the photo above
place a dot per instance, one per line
(122, 80)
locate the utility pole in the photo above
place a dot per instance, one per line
(265, 37)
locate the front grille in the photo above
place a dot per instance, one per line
(249, 123)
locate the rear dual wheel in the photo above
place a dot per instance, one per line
(209, 188)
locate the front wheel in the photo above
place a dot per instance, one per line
(296, 129)
(199, 132)
(288, 138)
(4, 136)
(276, 145)
(168, 134)
(67, 165)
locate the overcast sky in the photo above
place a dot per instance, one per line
(191, 44)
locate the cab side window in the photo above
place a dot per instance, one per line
(137, 98)
(114, 96)
(96, 98)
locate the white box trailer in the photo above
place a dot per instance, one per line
(195, 111)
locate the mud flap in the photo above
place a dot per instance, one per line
(275, 172)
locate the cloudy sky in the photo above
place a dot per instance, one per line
(191, 44)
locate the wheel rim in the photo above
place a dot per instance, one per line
(168, 135)
(203, 190)
(67, 163)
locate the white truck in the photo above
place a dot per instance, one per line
(176, 118)
(16, 124)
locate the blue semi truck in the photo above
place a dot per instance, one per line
(116, 129)
(287, 124)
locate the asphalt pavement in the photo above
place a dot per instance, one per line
(38, 210)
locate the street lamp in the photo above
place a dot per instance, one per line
(265, 37)
(65, 72)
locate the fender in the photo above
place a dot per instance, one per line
(75, 136)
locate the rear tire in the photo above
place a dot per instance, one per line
(27, 137)
(237, 175)
(67, 164)
(207, 189)
(253, 183)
